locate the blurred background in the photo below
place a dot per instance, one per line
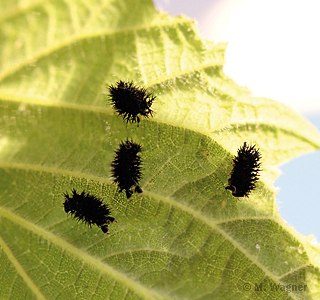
(274, 50)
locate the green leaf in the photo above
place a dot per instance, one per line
(186, 237)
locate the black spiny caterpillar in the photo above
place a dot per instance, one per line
(126, 167)
(88, 209)
(245, 173)
(130, 101)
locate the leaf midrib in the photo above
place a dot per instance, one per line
(77, 38)
(109, 110)
(19, 268)
(235, 126)
(131, 284)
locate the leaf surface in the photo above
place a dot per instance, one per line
(186, 237)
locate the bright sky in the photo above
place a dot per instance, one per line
(274, 47)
